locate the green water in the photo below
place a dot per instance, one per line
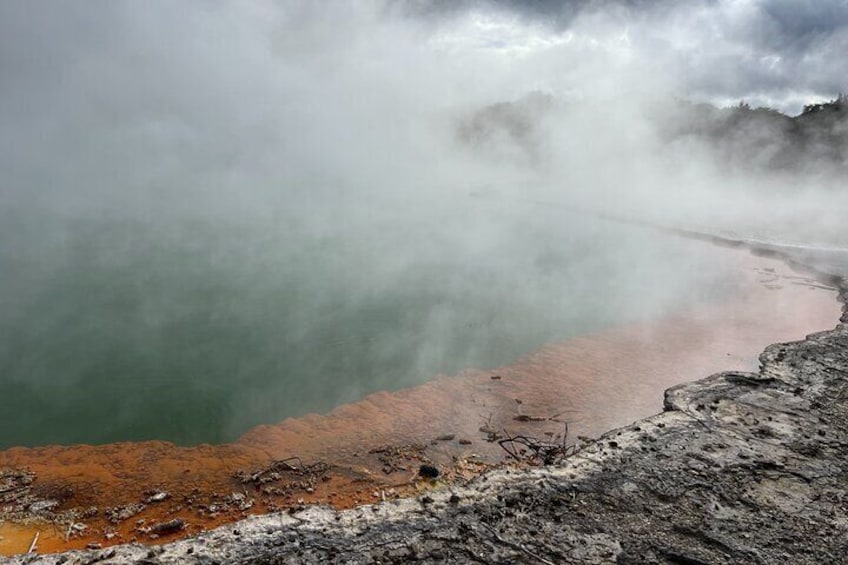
(194, 327)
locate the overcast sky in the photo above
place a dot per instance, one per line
(104, 94)
(779, 52)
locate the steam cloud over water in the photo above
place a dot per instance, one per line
(214, 215)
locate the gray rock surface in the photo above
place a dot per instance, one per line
(739, 468)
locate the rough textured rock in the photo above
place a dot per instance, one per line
(739, 468)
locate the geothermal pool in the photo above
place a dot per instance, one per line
(195, 327)
(600, 379)
(520, 338)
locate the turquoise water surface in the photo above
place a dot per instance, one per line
(193, 326)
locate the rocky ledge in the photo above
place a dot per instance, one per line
(739, 468)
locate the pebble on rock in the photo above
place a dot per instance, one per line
(428, 472)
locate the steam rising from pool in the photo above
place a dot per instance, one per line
(214, 216)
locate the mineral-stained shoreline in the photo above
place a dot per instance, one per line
(739, 468)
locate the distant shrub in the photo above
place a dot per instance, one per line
(837, 104)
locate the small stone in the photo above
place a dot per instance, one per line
(158, 497)
(42, 505)
(170, 527)
(428, 472)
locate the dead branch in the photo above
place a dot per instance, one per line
(530, 449)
